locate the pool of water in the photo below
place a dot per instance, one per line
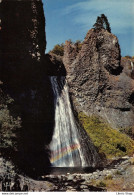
(71, 170)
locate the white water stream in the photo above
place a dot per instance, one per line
(65, 145)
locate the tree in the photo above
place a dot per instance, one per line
(102, 22)
(58, 49)
(99, 23)
(106, 23)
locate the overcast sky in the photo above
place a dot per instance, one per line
(71, 19)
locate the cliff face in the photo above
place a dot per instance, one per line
(22, 39)
(54, 65)
(98, 81)
(22, 48)
(128, 65)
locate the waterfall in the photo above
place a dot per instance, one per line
(66, 146)
(132, 65)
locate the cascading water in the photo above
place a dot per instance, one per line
(66, 147)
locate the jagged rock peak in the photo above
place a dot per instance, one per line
(97, 80)
(101, 46)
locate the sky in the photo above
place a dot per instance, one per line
(71, 19)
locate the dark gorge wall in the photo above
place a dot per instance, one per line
(22, 39)
(22, 71)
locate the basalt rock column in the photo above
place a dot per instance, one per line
(97, 79)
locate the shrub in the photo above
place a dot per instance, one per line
(8, 123)
(109, 177)
(118, 172)
(58, 49)
(109, 141)
(132, 161)
(101, 184)
(128, 130)
(128, 57)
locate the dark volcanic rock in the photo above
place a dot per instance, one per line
(22, 48)
(54, 65)
(98, 83)
(128, 65)
(22, 40)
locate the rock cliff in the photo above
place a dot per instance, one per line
(100, 83)
(22, 48)
(54, 65)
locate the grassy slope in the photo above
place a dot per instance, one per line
(109, 141)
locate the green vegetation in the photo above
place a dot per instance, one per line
(8, 123)
(109, 141)
(101, 184)
(128, 130)
(109, 177)
(78, 43)
(118, 172)
(132, 161)
(131, 58)
(102, 22)
(128, 57)
(58, 49)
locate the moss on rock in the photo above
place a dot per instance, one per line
(109, 141)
